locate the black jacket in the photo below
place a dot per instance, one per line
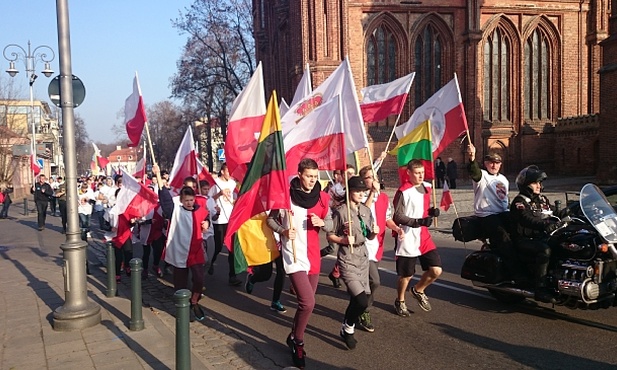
(530, 215)
(41, 192)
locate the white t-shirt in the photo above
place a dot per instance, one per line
(85, 207)
(225, 204)
(490, 194)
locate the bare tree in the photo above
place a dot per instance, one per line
(218, 58)
(83, 148)
(13, 129)
(167, 124)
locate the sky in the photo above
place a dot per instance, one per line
(110, 41)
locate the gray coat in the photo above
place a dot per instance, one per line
(354, 266)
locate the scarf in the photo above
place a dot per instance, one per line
(302, 198)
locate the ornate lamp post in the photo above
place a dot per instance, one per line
(30, 57)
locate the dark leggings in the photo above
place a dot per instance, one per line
(264, 272)
(181, 280)
(157, 250)
(219, 236)
(357, 306)
(124, 254)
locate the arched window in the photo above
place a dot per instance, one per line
(537, 86)
(497, 84)
(381, 50)
(428, 54)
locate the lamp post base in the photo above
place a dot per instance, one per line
(77, 312)
(66, 319)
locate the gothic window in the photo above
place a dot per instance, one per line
(497, 84)
(381, 50)
(428, 53)
(537, 86)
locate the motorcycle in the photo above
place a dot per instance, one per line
(583, 266)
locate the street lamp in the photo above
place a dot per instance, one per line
(30, 57)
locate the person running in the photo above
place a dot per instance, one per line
(224, 197)
(185, 246)
(299, 232)
(413, 213)
(381, 209)
(352, 226)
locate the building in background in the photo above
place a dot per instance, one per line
(528, 70)
(124, 159)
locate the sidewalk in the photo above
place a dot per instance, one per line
(33, 287)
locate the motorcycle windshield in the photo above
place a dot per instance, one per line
(599, 212)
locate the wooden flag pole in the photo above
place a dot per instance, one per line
(291, 226)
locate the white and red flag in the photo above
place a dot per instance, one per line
(134, 114)
(381, 101)
(186, 164)
(245, 120)
(134, 199)
(320, 137)
(34, 165)
(446, 197)
(140, 169)
(100, 161)
(446, 113)
(304, 88)
(340, 82)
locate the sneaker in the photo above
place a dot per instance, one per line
(157, 271)
(278, 307)
(198, 312)
(127, 271)
(248, 286)
(349, 340)
(297, 352)
(365, 322)
(401, 308)
(88, 234)
(118, 278)
(422, 299)
(335, 281)
(234, 281)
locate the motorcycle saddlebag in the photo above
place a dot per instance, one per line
(483, 266)
(466, 229)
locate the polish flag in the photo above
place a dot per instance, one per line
(446, 113)
(381, 101)
(185, 163)
(140, 169)
(245, 121)
(283, 107)
(446, 198)
(134, 199)
(203, 173)
(320, 137)
(340, 82)
(101, 161)
(134, 114)
(304, 88)
(34, 165)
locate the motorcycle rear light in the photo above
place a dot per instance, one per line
(603, 247)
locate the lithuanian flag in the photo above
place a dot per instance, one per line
(265, 187)
(415, 145)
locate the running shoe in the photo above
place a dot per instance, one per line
(401, 308)
(298, 355)
(422, 299)
(278, 307)
(365, 322)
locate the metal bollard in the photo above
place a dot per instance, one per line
(111, 271)
(183, 343)
(26, 213)
(557, 205)
(137, 321)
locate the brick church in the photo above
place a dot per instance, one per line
(529, 71)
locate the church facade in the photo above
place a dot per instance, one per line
(528, 70)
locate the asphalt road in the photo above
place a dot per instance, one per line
(466, 328)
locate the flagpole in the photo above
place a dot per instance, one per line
(430, 134)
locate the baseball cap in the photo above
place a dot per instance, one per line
(493, 157)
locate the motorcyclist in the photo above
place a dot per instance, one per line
(531, 213)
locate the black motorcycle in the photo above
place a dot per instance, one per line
(583, 266)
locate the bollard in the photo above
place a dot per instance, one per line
(557, 205)
(26, 213)
(111, 271)
(137, 321)
(183, 343)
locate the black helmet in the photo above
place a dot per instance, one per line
(528, 175)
